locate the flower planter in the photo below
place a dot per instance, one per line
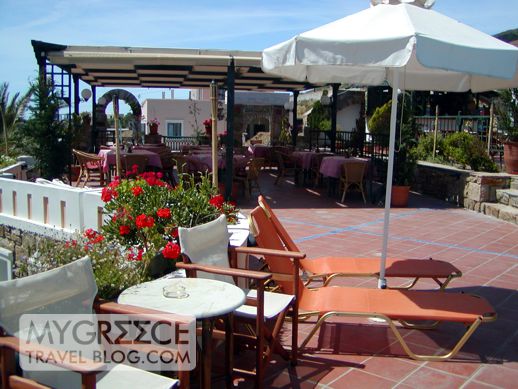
(511, 157)
(399, 197)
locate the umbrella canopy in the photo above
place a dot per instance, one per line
(403, 43)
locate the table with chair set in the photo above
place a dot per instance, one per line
(204, 299)
(337, 168)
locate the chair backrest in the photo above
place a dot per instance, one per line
(353, 171)
(279, 228)
(130, 160)
(69, 289)
(87, 159)
(207, 244)
(266, 236)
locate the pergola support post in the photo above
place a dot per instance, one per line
(76, 94)
(229, 163)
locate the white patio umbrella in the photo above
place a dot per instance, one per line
(403, 43)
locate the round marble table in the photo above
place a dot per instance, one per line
(206, 300)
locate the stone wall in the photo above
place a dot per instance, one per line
(21, 243)
(442, 182)
(464, 188)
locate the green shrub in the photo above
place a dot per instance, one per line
(379, 123)
(6, 160)
(467, 150)
(318, 116)
(424, 150)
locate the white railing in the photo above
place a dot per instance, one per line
(49, 209)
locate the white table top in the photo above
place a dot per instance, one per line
(207, 298)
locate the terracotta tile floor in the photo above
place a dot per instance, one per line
(348, 354)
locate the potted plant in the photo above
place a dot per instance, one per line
(404, 172)
(145, 213)
(405, 160)
(507, 116)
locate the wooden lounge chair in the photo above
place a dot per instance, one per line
(327, 268)
(390, 306)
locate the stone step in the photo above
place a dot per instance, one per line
(514, 182)
(500, 211)
(507, 197)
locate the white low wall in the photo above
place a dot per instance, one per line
(49, 209)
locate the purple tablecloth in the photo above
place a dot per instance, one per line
(305, 158)
(331, 166)
(109, 158)
(201, 161)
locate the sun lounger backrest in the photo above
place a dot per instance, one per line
(279, 228)
(266, 237)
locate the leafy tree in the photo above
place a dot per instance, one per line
(11, 111)
(507, 113)
(319, 117)
(49, 138)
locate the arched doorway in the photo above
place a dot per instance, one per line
(101, 119)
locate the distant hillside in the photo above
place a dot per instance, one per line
(508, 36)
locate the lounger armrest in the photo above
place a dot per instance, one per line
(263, 251)
(48, 355)
(256, 275)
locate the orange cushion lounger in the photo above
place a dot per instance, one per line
(389, 305)
(326, 268)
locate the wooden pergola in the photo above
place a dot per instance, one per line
(136, 67)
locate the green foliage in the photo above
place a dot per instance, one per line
(49, 139)
(459, 148)
(424, 149)
(145, 213)
(468, 150)
(319, 118)
(405, 157)
(379, 122)
(113, 272)
(11, 111)
(6, 160)
(507, 113)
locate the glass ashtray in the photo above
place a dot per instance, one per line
(175, 291)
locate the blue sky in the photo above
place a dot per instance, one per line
(232, 25)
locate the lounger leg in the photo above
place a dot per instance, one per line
(471, 329)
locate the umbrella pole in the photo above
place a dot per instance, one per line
(214, 114)
(382, 282)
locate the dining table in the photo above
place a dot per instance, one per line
(204, 160)
(205, 299)
(109, 158)
(331, 168)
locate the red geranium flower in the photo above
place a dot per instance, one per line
(106, 194)
(217, 201)
(143, 221)
(164, 213)
(124, 230)
(174, 233)
(171, 251)
(137, 190)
